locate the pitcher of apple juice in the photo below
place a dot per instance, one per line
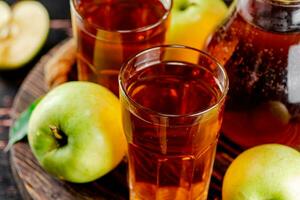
(108, 32)
(260, 49)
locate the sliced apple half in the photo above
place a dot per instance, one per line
(5, 17)
(23, 33)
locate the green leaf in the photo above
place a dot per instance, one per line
(20, 127)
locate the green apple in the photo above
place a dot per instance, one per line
(76, 133)
(270, 171)
(192, 21)
(277, 114)
(23, 31)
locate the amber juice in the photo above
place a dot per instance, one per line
(109, 32)
(261, 56)
(171, 154)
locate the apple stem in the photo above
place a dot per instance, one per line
(55, 132)
(60, 136)
(186, 6)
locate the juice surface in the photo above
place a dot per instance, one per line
(109, 32)
(119, 14)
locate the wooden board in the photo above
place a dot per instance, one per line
(34, 183)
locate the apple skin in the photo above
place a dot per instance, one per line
(89, 115)
(270, 171)
(192, 21)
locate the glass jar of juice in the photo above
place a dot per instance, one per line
(260, 49)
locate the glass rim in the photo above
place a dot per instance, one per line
(136, 30)
(165, 115)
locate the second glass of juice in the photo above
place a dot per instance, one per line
(108, 32)
(172, 106)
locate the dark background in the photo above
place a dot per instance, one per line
(10, 81)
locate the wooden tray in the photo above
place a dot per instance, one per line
(34, 183)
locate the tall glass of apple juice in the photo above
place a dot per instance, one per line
(172, 106)
(108, 32)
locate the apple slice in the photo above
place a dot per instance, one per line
(23, 34)
(4, 19)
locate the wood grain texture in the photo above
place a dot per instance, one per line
(34, 183)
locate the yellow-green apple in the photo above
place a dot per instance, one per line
(270, 171)
(23, 31)
(192, 21)
(75, 132)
